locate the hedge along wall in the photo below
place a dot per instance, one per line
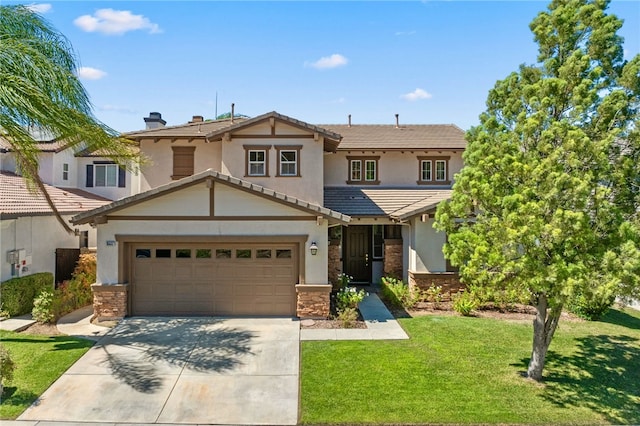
(17, 294)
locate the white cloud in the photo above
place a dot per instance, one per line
(39, 7)
(333, 61)
(405, 33)
(88, 73)
(115, 22)
(416, 95)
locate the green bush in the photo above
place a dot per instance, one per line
(17, 294)
(7, 366)
(591, 306)
(42, 311)
(397, 293)
(349, 297)
(464, 303)
(347, 316)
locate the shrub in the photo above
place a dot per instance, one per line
(349, 297)
(7, 366)
(591, 306)
(347, 316)
(42, 311)
(17, 294)
(464, 303)
(344, 280)
(434, 294)
(397, 293)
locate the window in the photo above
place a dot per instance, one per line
(378, 239)
(163, 253)
(283, 254)
(263, 254)
(65, 171)
(183, 159)
(433, 171)
(203, 254)
(243, 254)
(363, 170)
(256, 160)
(105, 174)
(223, 254)
(288, 160)
(183, 253)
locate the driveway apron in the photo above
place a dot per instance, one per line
(182, 370)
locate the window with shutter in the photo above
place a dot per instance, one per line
(183, 160)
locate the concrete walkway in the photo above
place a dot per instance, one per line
(17, 323)
(381, 325)
(78, 324)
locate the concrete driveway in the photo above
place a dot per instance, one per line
(182, 370)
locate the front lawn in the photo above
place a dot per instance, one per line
(39, 360)
(468, 370)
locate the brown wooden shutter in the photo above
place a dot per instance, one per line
(182, 161)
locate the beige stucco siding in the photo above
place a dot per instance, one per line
(308, 186)
(426, 247)
(159, 167)
(231, 202)
(191, 201)
(394, 168)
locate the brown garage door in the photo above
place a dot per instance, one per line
(214, 279)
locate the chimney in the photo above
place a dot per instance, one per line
(197, 119)
(233, 106)
(397, 121)
(349, 120)
(154, 120)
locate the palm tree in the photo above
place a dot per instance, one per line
(39, 89)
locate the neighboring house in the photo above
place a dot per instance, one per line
(29, 232)
(77, 182)
(261, 215)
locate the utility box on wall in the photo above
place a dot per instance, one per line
(19, 261)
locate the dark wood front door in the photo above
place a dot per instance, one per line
(357, 261)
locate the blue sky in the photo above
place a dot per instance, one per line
(430, 61)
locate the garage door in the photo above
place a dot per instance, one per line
(214, 279)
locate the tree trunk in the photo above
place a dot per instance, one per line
(544, 325)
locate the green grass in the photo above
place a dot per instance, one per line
(39, 360)
(469, 370)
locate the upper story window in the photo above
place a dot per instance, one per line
(256, 160)
(105, 174)
(433, 171)
(363, 170)
(183, 160)
(289, 160)
(65, 171)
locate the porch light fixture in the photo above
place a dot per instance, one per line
(314, 248)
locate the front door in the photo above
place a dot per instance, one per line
(357, 261)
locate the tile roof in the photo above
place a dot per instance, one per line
(16, 200)
(188, 130)
(51, 146)
(396, 203)
(389, 137)
(217, 177)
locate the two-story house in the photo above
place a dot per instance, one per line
(31, 240)
(261, 215)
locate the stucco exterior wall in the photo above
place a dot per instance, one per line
(192, 201)
(112, 193)
(426, 247)
(39, 236)
(159, 167)
(59, 159)
(45, 167)
(308, 186)
(394, 168)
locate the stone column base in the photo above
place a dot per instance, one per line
(314, 300)
(109, 301)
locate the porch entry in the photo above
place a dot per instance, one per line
(363, 251)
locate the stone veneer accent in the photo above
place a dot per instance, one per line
(335, 262)
(109, 301)
(393, 258)
(313, 300)
(449, 281)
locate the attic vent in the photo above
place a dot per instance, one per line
(359, 197)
